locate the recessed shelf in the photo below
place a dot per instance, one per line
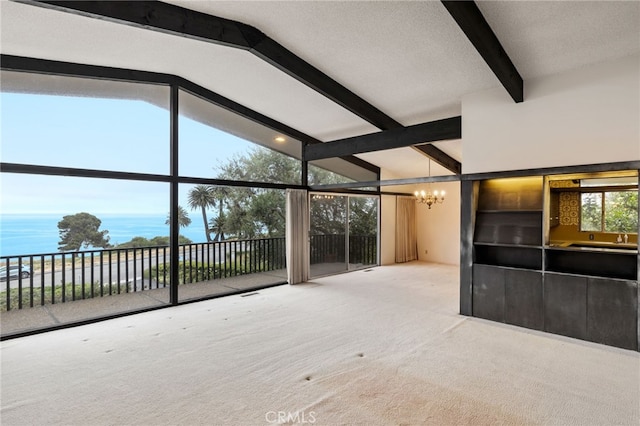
(606, 264)
(525, 257)
(482, 243)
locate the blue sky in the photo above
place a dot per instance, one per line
(109, 134)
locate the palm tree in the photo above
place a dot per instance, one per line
(183, 218)
(220, 193)
(217, 225)
(202, 196)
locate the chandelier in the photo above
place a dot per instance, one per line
(427, 197)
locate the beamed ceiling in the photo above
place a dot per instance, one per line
(380, 80)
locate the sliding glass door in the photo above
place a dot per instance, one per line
(343, 233)
(363, 232)
(327, 235)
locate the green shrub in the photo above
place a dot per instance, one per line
(51, 295)
(191, 272)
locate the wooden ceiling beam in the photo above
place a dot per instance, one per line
(440, 157)
(433, 131)
(175, 20)
(472, 23)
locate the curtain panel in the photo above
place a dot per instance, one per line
(406, 230)
(297, 236)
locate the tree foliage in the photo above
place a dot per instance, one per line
(618, 208)
(621, 212)
(183, 218)
(364, 216)
(81, 230)
(202, 197)
(591, 215)
(247, 213)
(159, 241)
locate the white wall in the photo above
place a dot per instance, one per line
(439, 227)
(586, 116)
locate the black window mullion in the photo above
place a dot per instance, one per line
(174, 228)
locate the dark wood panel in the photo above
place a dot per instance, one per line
(612, 307)
(469, 203)
(514, 256)
(488, 292)
(440, 157)
(523, 298)
(448, 128)
(511, 194)
(509, 228)
(565, 305)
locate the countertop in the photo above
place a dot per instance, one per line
(595, 246)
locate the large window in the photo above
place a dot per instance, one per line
(611, 207)
(84, 123)
(336, 170)
(216, 143)
(104, 204)
(79, 218)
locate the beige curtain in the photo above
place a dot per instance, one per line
(297, 231)
(406, 230)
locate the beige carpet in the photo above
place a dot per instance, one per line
(377, 347)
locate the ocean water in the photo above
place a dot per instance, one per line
(38, 234)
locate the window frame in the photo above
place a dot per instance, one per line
(172, 177)
(603, 209)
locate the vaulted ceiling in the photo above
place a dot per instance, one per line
(409, 60)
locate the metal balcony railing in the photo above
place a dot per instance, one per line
(50, 278)
(330, 248)
(39, 279)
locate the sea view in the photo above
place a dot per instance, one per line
(22, 234)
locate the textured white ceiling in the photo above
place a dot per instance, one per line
(409, 59)
(548, 37)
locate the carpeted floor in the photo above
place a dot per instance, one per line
(378, 347)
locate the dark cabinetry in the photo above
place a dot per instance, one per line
(523, 299)
(509, 295)
(601, 310)
(582, 292)
(565, 305)
(508, 229)
(488, 292)
(612, 306)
